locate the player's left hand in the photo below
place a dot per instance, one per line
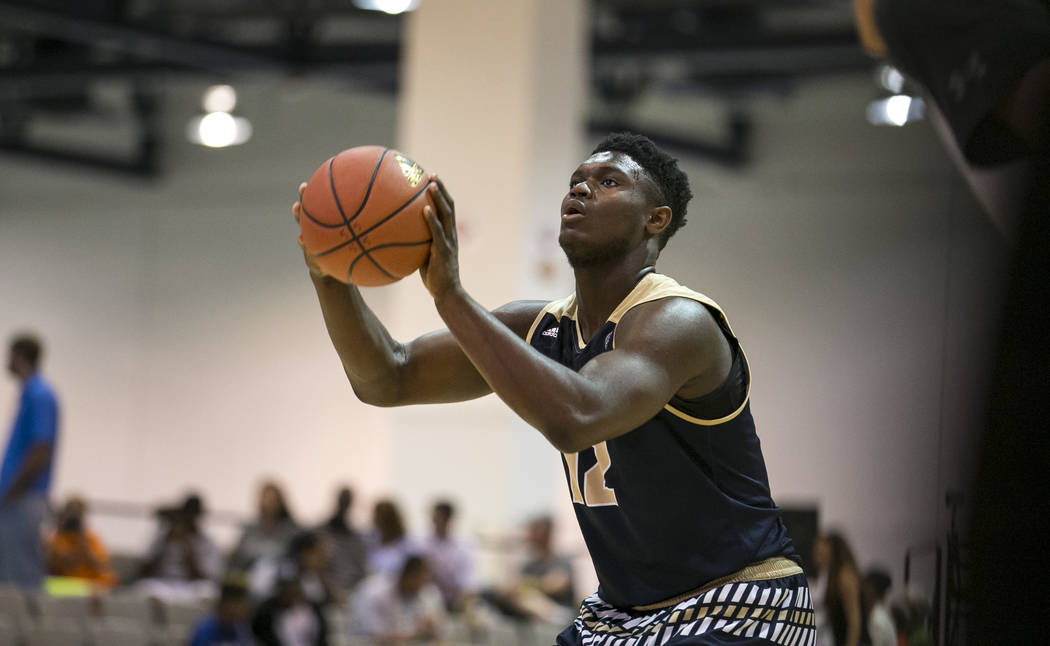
(440, 272)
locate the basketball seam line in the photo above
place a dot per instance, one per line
(384, 246)
(339, 205)
(374, 226)
(319, 223)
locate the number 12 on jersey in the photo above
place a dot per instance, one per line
(594, 493)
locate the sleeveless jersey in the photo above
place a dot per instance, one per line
(677, 502)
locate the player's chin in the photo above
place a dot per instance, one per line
(577, 251)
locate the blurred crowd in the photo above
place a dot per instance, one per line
(287, 583)
(855, 608)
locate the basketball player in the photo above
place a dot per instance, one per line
(642, 386)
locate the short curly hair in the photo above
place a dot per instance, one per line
(670, 181)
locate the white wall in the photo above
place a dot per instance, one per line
(188, 350)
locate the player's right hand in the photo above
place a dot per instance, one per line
(297, 210)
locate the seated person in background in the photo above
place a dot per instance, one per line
(388, 545)
(75, 551)
(287, 618)
(309, 556)
(881, 629)
(544, 590)
(451, 561)
(267, 537)
(310, 553)
(399, 609)
(182, 563)
(228, 625)
(349, 556)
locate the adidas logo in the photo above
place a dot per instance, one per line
(551, 332)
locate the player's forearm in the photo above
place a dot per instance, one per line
(554, 399)
(371, 358)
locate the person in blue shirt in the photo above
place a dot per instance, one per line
(25, 474)
(228, 625)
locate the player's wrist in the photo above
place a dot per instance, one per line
(326, 282)
(450, 295)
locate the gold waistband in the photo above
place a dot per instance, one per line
(774, 568)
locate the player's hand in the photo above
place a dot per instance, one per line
(297, 212)
(440, 272)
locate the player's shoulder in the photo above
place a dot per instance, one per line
(675, 316)
(519, 315)
(661, 301)
(660, 312)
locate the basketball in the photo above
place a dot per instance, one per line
(362, 216)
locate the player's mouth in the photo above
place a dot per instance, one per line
(572, 210)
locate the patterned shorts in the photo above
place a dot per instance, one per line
(777, 611)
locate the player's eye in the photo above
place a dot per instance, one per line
(608, 181)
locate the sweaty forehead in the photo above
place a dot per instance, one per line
(621, 161)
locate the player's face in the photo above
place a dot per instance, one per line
(603, 215)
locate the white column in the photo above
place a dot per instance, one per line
(492, 100)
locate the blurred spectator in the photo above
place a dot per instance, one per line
(268, 536)
(287, 618)
(182, 563)
(310, 553)
(76, 551)
(837, 569)
(25, 476)
(228, 625)
(546, 571)
(349, 556)
(400, 609)
(389, 545)
(544, 590)
(451, 561)
(263, 543)
(881, 630)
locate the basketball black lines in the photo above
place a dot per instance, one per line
(376, 225)
(368, 192)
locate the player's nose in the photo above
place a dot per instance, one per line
(580, 190)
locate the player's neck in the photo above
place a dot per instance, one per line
(600, 289)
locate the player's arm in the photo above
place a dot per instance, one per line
(385, 372)
(662, 348)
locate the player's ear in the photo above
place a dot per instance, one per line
(659, 219)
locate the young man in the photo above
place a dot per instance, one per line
(25, 477)
(643, 387)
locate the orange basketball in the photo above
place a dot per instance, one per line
(362, 216)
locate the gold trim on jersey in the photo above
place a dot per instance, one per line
(556, 308)
(651, 287)
(777, 567)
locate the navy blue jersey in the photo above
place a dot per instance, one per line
(677, 502)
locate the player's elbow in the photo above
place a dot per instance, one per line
(567, 444)
(570, 437)
(381, 395)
